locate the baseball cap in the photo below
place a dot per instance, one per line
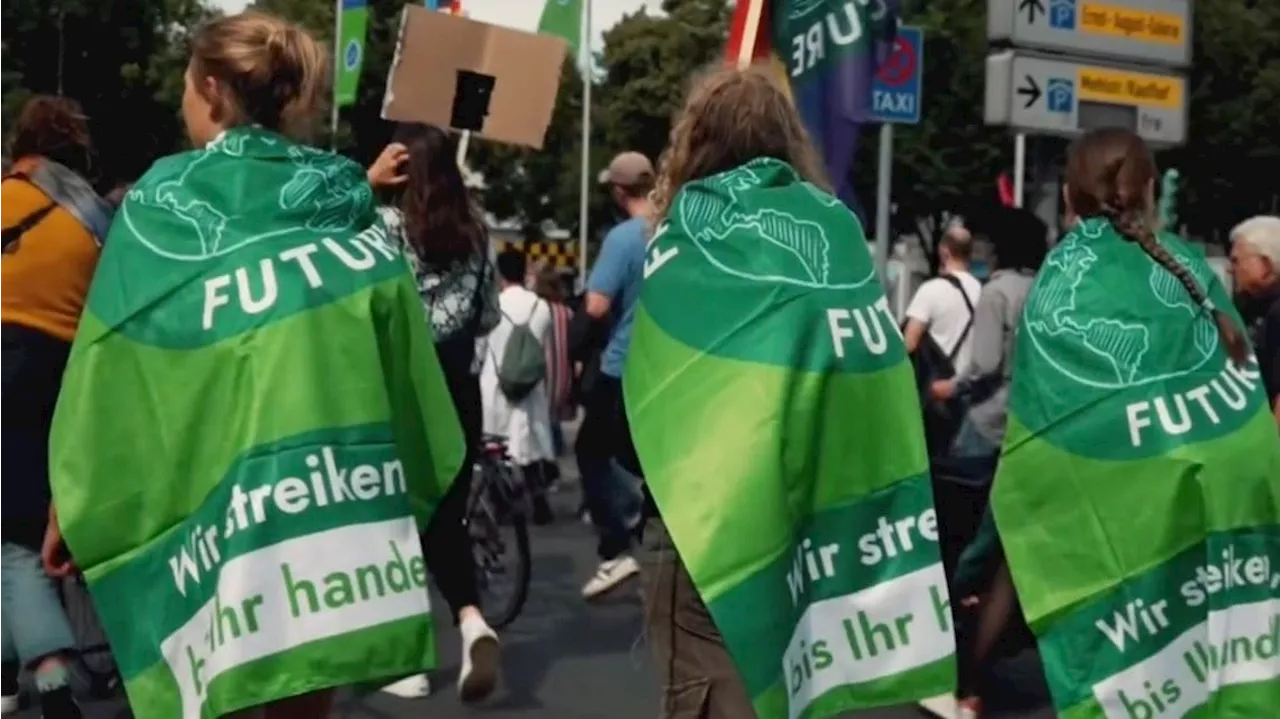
(627, 169)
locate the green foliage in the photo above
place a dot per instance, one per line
(1233, 144)
(948, 162)
(117, 58)
(647, 63)
(538, 186)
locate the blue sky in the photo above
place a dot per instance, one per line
(522, 14)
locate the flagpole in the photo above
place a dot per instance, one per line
(750, 29)
(584, 47)
(464, 142)
(337, 70)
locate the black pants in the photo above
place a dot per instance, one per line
(699, 679)
(446, 544)
(603, 438)
(33, 363)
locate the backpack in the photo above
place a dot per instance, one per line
(931, 363)
(523, 363)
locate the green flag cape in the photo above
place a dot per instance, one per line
(776, 418)
(1139, 491)
(252, 428)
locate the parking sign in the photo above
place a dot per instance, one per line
(898, 89)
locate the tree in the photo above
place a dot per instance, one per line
(538, 186)
(649, 62)
(120, 59)
(947, 163)
(1233, 146)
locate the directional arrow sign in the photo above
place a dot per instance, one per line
(1031, 7)
(1154, 32)
(1030, 90)
(1061, 96)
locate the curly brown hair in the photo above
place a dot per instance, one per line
(733, 116)
(55, 128)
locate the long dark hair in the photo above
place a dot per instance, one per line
(1111, 174)
(441, 223)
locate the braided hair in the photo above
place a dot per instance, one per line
(1111, 174)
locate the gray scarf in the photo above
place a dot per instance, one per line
(74, 195)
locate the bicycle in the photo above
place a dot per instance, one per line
(497, 522)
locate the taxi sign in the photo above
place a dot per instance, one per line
(1145, 31)
(1065, 97)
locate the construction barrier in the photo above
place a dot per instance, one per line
(561, 255)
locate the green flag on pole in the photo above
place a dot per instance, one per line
(1168, 207)
(253, 429)
(774, 412)
(563, 18)
(354, 22)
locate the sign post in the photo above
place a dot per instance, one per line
(1051, 96)
(1154, 32)
(1064, 67)
(896, 96)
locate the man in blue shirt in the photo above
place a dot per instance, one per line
(613, 290)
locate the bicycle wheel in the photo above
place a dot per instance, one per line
(500, 543)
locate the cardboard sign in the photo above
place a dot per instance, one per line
(451, 71)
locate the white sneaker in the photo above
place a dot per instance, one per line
(9, 704)
(479, 673)
(610, 574)
(414, 687)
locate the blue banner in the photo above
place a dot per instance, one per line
(832, 49)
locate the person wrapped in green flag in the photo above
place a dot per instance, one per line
(253, 424)
(1138, 493)
(776, 420)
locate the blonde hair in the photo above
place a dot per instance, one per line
(274, 71)
(731, 117)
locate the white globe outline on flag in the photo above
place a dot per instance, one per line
(744, 178)
(801, 8)
(211, 247)
(1033, 332)
(351, 55)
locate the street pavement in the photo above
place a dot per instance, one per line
(562, 658)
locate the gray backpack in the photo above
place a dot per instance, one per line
(523, 364)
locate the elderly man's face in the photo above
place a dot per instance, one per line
(1252, 271)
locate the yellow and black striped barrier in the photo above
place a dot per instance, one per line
(561, 255)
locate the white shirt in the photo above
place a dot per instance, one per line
(526, 424)
(940, 307)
